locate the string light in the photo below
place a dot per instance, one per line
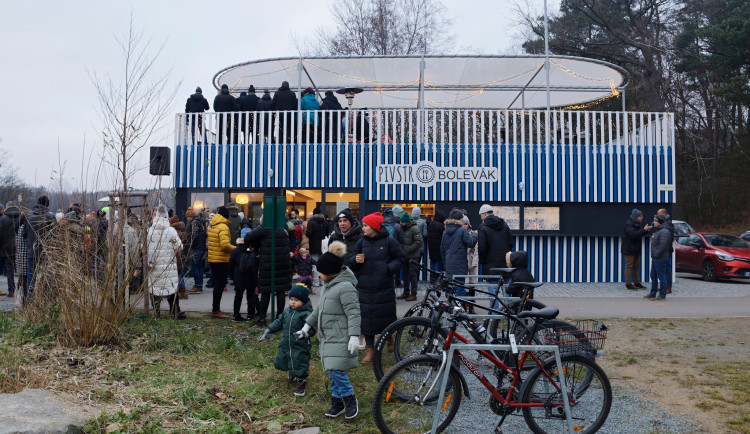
(242, 77)
(360, 79)
(615, 92)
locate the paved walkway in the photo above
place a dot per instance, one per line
(692, 298)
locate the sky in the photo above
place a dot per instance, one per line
(49, 115)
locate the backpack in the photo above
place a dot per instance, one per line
(391, 230)
(247, 263)
(298, 233)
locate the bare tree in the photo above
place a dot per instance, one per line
(383, 27)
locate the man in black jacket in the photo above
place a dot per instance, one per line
(286, 100)
(197, 103)
(632, 233)
(248, 103)
(435, 230)
(495, 240)
(38, 224)
(224, 102)
(317, 229)
(331, 121)
(7, 248)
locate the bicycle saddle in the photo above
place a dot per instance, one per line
(529, 284)
(548, 312)
(503, 270)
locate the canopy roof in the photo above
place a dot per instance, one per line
(455, 81)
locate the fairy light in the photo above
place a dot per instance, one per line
(360, 79)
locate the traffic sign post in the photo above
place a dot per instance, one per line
(274, 211)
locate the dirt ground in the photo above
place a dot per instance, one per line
(699, 367)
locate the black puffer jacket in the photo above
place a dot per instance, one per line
(330, 103)
(519, 261)
(242, 260)
(260, 239)
(265, 104)
(10, 221)
(495, 241)
(37, 226)
(350, 238)
(435, 231)
(197, 103)
(224, 101)
(317, 229)
(285, 99)
(377, 294)
(249, 102)
(632, 232)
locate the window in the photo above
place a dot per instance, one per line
(541, 218)
(339, 201)
(207, 201)
(250, 205)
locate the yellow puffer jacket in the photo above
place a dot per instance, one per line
(219, 245)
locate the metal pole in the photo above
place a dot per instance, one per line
(299, 99)
(420, 123)
(622, 92)
(546, 67)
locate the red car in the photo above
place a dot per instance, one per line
(713, 256)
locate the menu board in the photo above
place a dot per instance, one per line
(511, 215)
(541, 218)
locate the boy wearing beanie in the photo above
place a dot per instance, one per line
(337, 316)
(293, 354)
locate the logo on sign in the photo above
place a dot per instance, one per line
(427, 174)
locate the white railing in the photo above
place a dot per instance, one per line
(426, 126)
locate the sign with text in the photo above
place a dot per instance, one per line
(427, 174)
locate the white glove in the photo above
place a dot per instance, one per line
(265, 335)
(353, 344)
(302, 334)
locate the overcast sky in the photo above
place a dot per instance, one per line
(46, 48)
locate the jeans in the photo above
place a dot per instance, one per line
(196, 266)
(8, 265)
(220, 270)
(340, 385)
(460, 290)
(29, 288)
(659, 267)
(411, 274)
(435, 266)
(669, 270)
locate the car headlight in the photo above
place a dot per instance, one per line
(724, 256)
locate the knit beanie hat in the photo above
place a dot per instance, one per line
(161, 211)
(330, 262)
(456, 215)
(223, 211)
(244, 232)
(345, 214)
(374, 220)
(405, 218)
(300, 292)
(397, 210)
(416, 212)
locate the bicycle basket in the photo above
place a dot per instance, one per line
(588, 335)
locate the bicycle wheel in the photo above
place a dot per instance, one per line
(406, 398)
(422, 309)
(410, 338)
(589, 406)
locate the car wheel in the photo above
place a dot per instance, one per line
(708, 271)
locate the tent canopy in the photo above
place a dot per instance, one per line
(456, 81)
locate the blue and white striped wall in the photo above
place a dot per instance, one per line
(608, 173)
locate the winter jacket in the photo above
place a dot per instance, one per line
(293, 355)
(413, 241)
(422, 225)
(179, 226)
(249, 102)
(305, 243)
(330, 103)
(163, 246)
(130, 236)
(435, 231)
(9, 223)
(225, 102)
(350, 238)
(197, 234)
(243, 267)
(495, 241)
(519, 261)
(235, 223)
(304, 265)
(309, 102)
(453, 248)
(196, 103)
(284, 99)
(391, 220)
(632, 232)
(260, 239)
(377, 294)
(337, 317)
(219, 244)
(661, 242)
(37, 225)
(317, 229)
(265, 104)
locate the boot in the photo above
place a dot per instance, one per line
(369, 355)
(351, 407)
(183, 294)
(390, 343)
(337, 407)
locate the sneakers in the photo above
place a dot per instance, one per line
(239, 318)
(649, 297)
(218, 314)
(182, 315)
(351, 407)
(402, 297)
(412, 297)
(300, 389)
(659, 298)
(261, 322)
(639, 286)
(630, 286)
(196, 290)
(337, 407)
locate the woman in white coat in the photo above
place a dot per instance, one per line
(163, 246)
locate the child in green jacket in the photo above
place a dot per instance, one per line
(293, 354)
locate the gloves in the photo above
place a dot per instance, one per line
(353, 344)
(265, 335)
(302, 334)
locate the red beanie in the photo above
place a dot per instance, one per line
(374, 220)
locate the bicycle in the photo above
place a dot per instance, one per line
(406, 398)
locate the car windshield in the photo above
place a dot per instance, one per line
(725, 241)
(681, 228)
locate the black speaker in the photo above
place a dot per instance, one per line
(159, 162)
